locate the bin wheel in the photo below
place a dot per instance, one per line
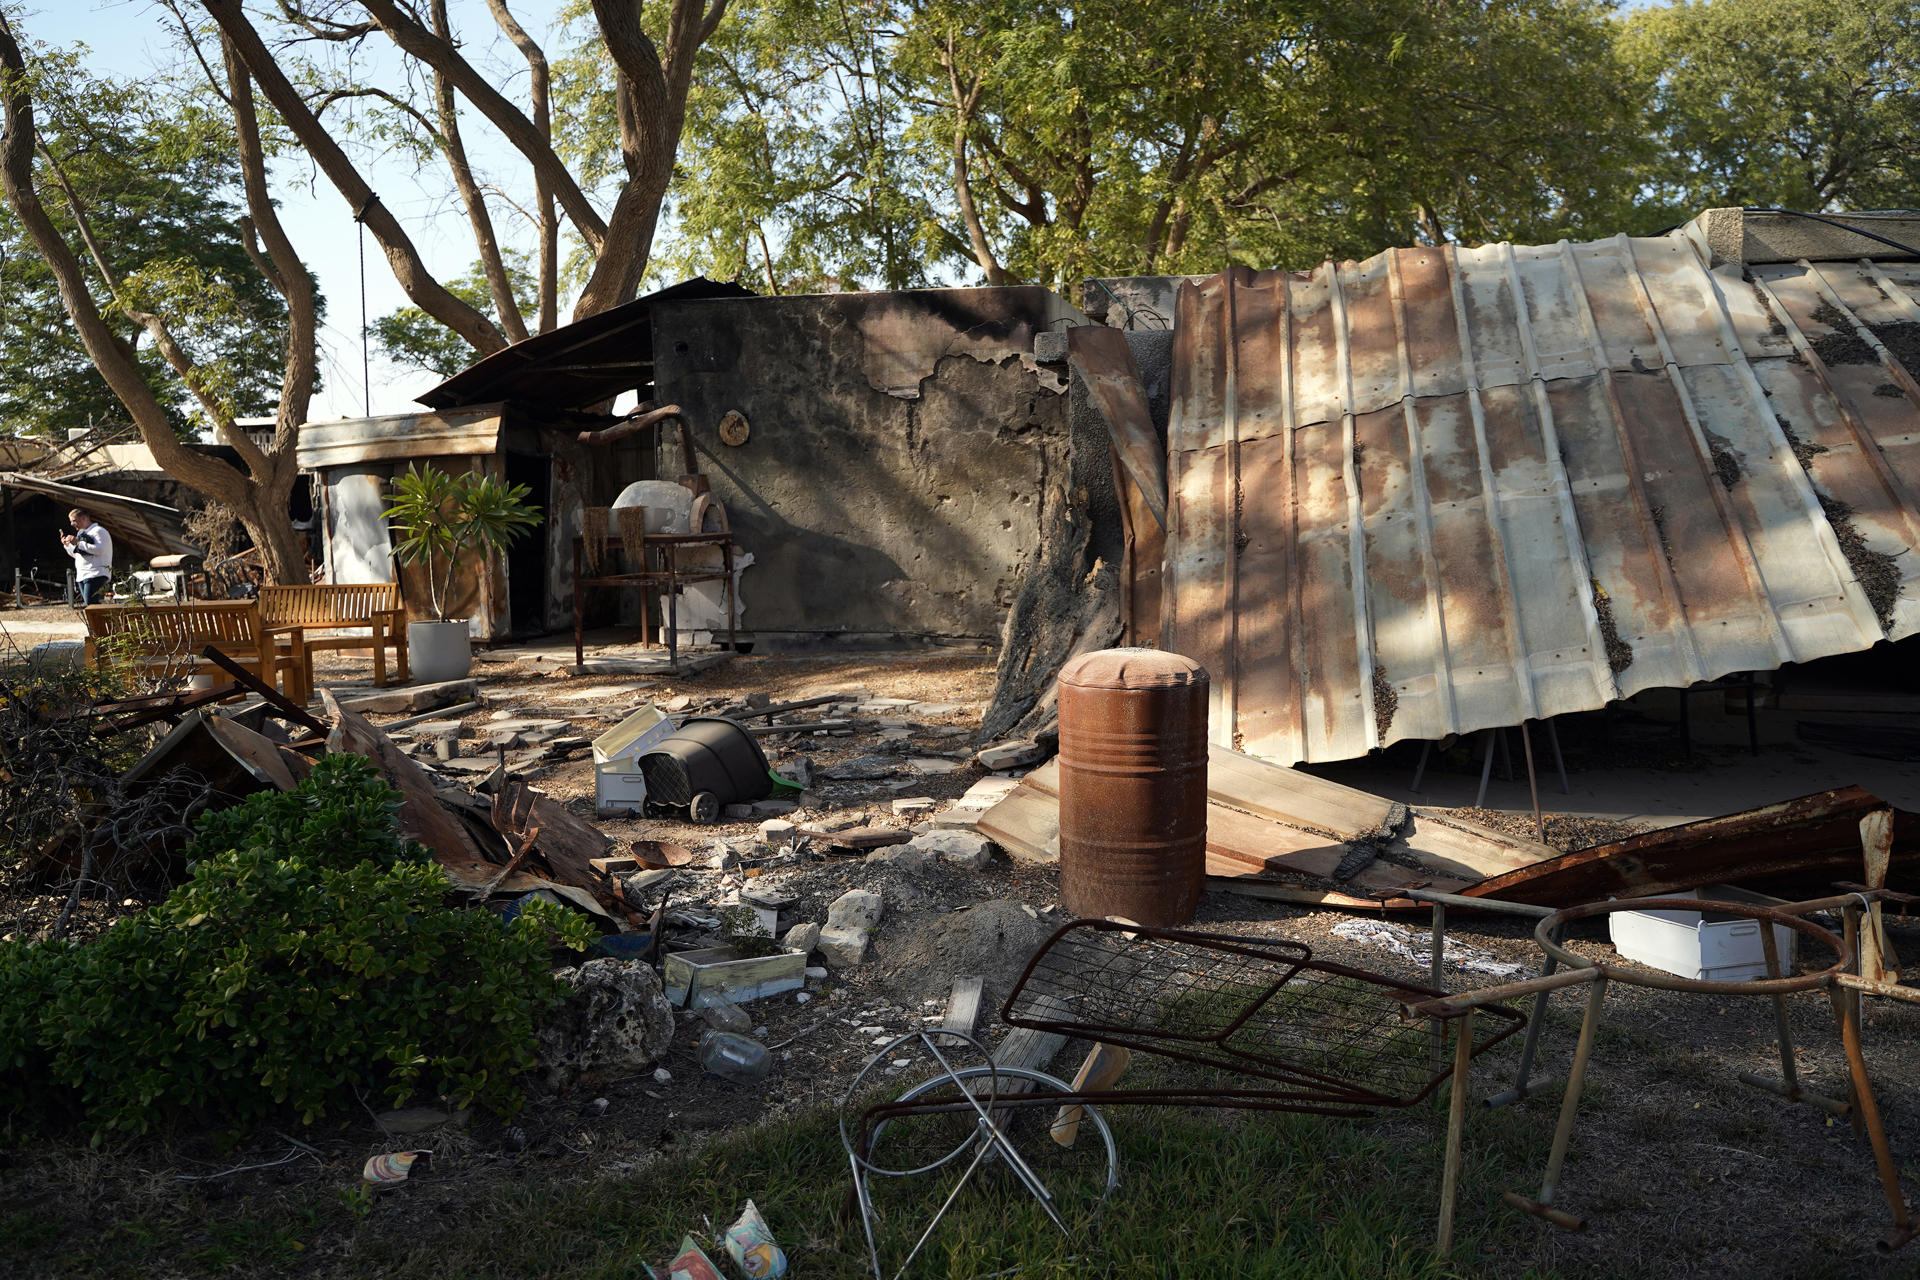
(704, 808)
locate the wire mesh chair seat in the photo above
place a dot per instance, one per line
(1271, 1027)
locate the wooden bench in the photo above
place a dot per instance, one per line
(168, 638)
(362, 615)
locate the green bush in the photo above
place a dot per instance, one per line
(310, 957)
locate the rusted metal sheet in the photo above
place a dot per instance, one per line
(1105, 363)
(142, 529)
(1447, 489)
(1794, 848)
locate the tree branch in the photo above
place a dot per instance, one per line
(505, 305)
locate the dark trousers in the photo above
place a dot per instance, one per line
(94, 590)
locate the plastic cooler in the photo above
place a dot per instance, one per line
(1691, 944)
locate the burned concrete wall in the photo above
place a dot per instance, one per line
(898, 451)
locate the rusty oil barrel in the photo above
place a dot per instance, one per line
(1133, 785)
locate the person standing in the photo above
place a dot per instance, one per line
(91, 547)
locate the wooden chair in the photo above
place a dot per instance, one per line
(361, 615)
(169, 637)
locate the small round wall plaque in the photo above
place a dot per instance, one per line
(733, 428)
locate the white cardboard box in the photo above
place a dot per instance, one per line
(1713, 947)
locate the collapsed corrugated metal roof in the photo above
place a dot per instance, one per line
(1448, 489)
(578, 364)
(144, 529)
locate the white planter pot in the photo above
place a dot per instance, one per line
(439, 651)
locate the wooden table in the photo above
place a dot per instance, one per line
(668, 576)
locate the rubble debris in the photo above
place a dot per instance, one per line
(688, 1264)
(967, 850)
(723, 970)
(802, 938)
(1411, 944)
(778, 832)
(1017, 754)
(412, 698)
(864, 769)
(735, 1057)
(393, 1168)
(963, 1004)
(750, 1242)
(615, 1021)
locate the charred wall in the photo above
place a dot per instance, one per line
(902, 451)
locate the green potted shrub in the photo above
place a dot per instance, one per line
(439, 521)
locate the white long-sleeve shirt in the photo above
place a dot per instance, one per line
(92, 552)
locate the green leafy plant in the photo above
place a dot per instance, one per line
(442, 518)
(311, 959)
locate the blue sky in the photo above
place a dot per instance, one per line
(131, 38)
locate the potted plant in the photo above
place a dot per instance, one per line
(441, 519)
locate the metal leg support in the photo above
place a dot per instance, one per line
(1563, 1133)
(1456, 1130)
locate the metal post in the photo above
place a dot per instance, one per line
(1789, 1072)
(1533, 783)
(1522, 1082)
(1436, 979)
(1563, 1132)
(579, 625)
(1456, 1128)
(1867, 1112)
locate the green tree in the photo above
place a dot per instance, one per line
(191, 314)
(409, 336)
(156, 180)
(902, 141)
(1798, 103)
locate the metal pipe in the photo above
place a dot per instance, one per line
(1456, 1129)
(1789, 1072)
(1436, 967)
(1453, 1006)
(1850, 1003)
(1497, 905)
(1832, 1106)
(1570, 1108)
(1891, 990)
(1868, 1113)
(1521, 1083)
(1533, 783)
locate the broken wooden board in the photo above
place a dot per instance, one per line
(421, 816)
(1466, 850)
(963, 1005)
(1792, 849)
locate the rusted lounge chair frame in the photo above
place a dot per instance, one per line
(357, 615)
(169, 638)
(1840, 980)
(1308, 1035)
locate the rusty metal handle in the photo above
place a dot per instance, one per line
(1454, 1006)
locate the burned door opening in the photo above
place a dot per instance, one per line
(527, 567)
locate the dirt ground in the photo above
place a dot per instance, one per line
(1680, 1169)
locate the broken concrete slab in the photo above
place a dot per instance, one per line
(914, 805)
(967, 850)
(1017, 754)
(932, 765)
(802, 938)
(779, 832)
(420, 697)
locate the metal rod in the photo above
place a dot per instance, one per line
(1770, 951)
(1521, 1086)
(1868, 1113)
(1450, 1006)
(995, 1138)
(1570, 1104)
(1832, 1106)
(1850, 1005)
(1456, 1128)
(1499, 905)
(1437, 1049)
(1533, 783)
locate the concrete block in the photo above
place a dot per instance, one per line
(855, 909)
(422, 697)
(842, 948)
(778, 832)
(1011, 755)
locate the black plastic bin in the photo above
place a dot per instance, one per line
(709, 763)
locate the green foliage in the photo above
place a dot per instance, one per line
(311, 957)
(155, 176)
(441, 517)
(1800, 103)
(412, 338)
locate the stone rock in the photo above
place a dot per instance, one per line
(615, 1021)
(778, 832)
(816, 971)
(842, 948)
(802, 938)
(932, 764)
(855, 909)
(419, 1119)
(904, 857)
(1011, 755)
(863, 769)
(918, 804)
(737, 812)
(774, 808)
(964, 849)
